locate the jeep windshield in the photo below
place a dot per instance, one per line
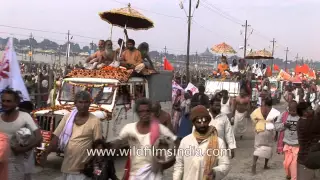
(100, 95)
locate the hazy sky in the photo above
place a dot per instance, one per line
(294, 23)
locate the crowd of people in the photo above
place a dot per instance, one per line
(206, 124)
(195, 121)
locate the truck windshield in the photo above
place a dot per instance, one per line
(100, 95)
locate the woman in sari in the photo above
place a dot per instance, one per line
(176, 110)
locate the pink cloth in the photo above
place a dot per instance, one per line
(281, 135)
(154, 135)
(4, 155)
(290, 161)
(154, 131)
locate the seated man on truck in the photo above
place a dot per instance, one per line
(102, 57)
(223, 67)
(131, 58)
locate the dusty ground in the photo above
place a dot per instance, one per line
(241, 164)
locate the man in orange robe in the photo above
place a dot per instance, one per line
(223, 66)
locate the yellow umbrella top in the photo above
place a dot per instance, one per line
(261, 54)
(127, 17)
(223, 48)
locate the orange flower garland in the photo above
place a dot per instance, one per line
(106, 72)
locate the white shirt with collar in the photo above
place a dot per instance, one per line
(224, 128)
(191, 166)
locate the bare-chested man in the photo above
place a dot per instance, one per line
(131, 57)
(162, 116)
(241, 106)
(110, 54)
(98, 57)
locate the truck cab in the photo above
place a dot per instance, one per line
(112, 101)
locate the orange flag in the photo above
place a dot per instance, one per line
(305, 69)
(284, 75)
(166, 65)
(269, 72)
(312, 74)
(297, 69)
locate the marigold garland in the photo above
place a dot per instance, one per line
(106, 72)
(89, 85)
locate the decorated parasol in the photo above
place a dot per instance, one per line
(223, 48)
(261, 54)
(127, 18)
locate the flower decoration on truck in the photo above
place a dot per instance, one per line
(107, 72)
(69, 108)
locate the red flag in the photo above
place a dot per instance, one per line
(167, 65)
(276, 67)
(268, 72)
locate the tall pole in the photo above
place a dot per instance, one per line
(297, 57)
(287, 50)
(68, 43)
(68, 47)
(30, 42)
(273, 42)
(91, 47)
(188, 47)
(165, 51)
(245, 38)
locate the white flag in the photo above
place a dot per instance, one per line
(176, 85)
(192, 88)
(10, 75)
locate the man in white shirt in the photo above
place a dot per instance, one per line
(221, 122)
(143, 135)
(211, 158)
(234, 66)
(11, 121)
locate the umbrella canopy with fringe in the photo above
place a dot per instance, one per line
(223, 48)
(127, 18)
(261, 54)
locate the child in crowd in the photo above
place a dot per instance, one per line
(100, 167)
(288, 142)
